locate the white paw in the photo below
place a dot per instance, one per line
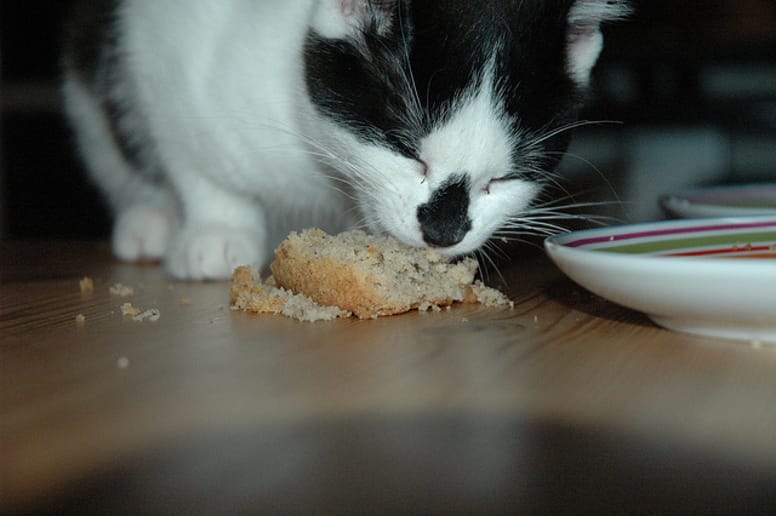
(142, 233)
(213, 252)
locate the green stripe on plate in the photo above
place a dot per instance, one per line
(664, 245)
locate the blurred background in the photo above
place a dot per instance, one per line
(692, 83)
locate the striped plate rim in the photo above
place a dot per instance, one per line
(751, 239)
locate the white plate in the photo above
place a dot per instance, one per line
(723, 201)
(714, 276)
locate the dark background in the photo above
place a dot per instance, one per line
(675, 65)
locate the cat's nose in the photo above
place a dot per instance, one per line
(444, 219)
(443, 234)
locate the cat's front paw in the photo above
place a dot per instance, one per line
(213, 252)
(142, 232)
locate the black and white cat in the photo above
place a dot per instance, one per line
(214, 127)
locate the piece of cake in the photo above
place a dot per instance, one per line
(357, 273)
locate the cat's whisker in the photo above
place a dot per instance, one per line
(482, 255)
(600, 174)
(545, 221)
(529, 231)
(524, 241)
(492, 247)
(559, 215)
(541, 138)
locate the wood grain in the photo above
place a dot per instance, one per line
(122, 400)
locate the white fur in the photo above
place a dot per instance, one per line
(146, 215)
(334, 19)
(477, 138)
(341, 18)
(228, 133)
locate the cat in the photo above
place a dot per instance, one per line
(215, 127)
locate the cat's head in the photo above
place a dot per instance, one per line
(447, 116)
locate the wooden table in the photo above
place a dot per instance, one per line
(565, 404)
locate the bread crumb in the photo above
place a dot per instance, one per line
(316, 276)
(128, 309)
(121, 290)
(491, 297)
(80, 320)
(86, 284)
(122, 363)
(429, 307)
(152, 314)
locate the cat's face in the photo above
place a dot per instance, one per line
(447, 117)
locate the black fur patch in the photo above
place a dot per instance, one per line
(88, 33)
(358, 94)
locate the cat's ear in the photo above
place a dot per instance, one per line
(343, 18)
(584, 38)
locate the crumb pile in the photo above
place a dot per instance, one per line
(249, 293)
(317, 276)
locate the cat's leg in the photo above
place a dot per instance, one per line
(222, 230)
(143, 228)
(145, 210)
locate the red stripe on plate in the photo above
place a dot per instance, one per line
(720, 252)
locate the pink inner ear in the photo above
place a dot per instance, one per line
(584, 46)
